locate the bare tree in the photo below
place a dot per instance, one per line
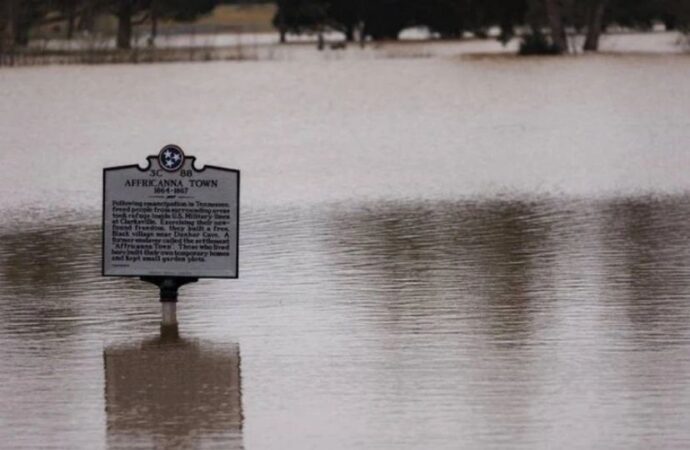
(595, 21)
(554, 16)
(124, 9)
(6, 22)
(6, 14)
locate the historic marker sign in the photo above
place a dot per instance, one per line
(171, 219)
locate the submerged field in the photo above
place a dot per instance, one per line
(317, 130)
(436, 252)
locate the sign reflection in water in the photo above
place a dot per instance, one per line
(169, 392)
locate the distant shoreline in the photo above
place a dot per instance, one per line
(265, 47)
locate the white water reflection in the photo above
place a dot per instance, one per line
(315, 131)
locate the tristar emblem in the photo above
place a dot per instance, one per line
(171, 158)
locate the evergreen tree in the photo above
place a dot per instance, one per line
(298, 16)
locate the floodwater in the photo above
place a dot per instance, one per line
(440, 253)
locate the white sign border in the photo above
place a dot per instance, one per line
(148, 167)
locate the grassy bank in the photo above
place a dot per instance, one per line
(255, 18)
(249, 17)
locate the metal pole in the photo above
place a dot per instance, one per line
(168, 314)
(168, 295)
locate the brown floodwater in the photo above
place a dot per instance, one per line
(524, 323)
(434, 254)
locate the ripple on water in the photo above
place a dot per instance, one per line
(527, 323)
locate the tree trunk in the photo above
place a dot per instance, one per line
(6, 14)
(507, 32)
(594, 26)
(555, 18)
(21, 31)
(283, 35)
(154, 30)
(154, 23)
(6, 32)
(86, 20)
(71, 21)
(350, 33)
(124, 25)
(670, 22)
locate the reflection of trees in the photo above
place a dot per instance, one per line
(40, 260)
(646, 262)
(645, 292)
(427, 258)
(517, 308)
(50, 272)
(455, 288)
(173, 393)
(510, 249)
(43, 269)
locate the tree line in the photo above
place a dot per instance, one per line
(545, 23)
(19, 17)
(542, 24)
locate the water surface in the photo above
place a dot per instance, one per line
(435, 254)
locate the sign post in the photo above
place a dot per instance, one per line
(171, 223)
